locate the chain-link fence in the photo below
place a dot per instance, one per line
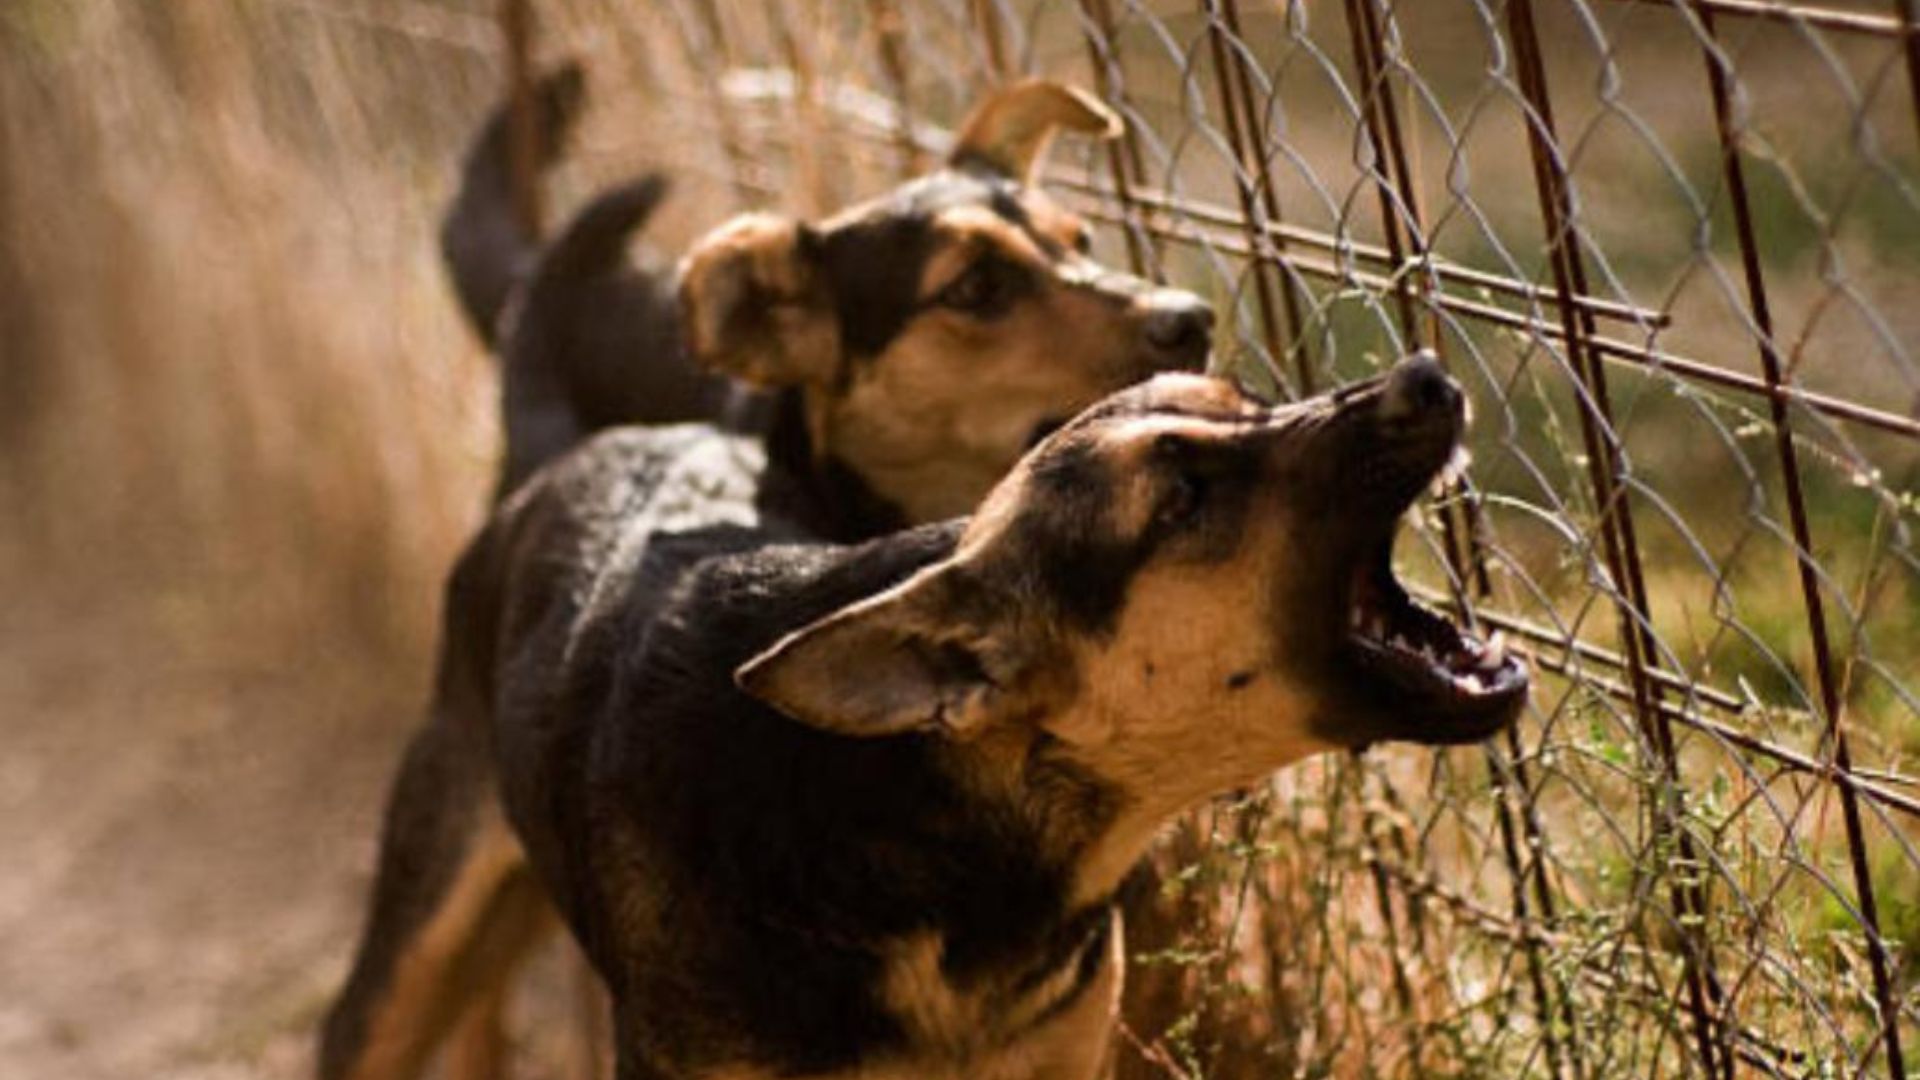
(1669, 246)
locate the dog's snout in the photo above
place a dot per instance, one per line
(1180, 325)
(1419, 391)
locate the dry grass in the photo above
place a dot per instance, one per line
(241, 383)
(241, 433)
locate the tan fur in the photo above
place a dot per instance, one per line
(478, 1048)
(1187, 695)
(1012, 128)
(1168, 760)
(913, 422)
(941, 414)
(751, 308)
(459, 961)
(1072, 1045)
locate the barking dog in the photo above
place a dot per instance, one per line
(861, 811)
(916, 345)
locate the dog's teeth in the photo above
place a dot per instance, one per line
(1496, 651)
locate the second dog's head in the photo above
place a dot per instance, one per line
(936, 332)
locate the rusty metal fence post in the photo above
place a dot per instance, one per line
(516, 35)
(1825, 678)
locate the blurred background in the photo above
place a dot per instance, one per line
(243, 432)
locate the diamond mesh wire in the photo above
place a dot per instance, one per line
(1669, 246)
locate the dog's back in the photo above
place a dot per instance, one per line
(625, 584)
(626, 677)
(453, 900)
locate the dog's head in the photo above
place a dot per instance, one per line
(1183, 590)
(938, 331)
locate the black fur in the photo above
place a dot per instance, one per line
(825, 499)
(587, 338)
(588, 648)
(486, 246)
(1088, 582)
(592, 342)
(781, 860)
(874, 262)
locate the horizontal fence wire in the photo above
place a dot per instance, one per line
(1670, 247)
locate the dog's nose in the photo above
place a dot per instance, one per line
(1419, 390)
(1180, 325)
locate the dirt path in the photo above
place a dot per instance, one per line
(187, 828)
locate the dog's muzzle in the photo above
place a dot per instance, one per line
(1426, 679)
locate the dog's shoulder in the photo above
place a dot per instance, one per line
(555, 589)
(710, 600)
(637, 479)
(576, 531)
(728, 840)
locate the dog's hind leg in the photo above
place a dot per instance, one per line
(455, 907)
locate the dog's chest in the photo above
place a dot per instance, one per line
(1058, 1027)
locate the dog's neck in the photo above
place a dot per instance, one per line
(815, 490)
(1036, 948)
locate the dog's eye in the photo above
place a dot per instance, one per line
(1083, 240)
(983, 290)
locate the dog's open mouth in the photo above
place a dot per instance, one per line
(1447, 684)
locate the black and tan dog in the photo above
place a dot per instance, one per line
(917, 345)
(922, 338)
(861, 811)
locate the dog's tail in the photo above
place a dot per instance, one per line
(590, 342)
(486, 245)
(594, 243)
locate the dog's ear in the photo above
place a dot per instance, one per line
(1009, 131)
(930, 654)
(756, 303)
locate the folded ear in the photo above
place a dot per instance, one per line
(1009, 131)
(909, 659)
(756, 304)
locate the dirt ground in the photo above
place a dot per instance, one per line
(187, 840)
(242, 434)
(188, 821)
